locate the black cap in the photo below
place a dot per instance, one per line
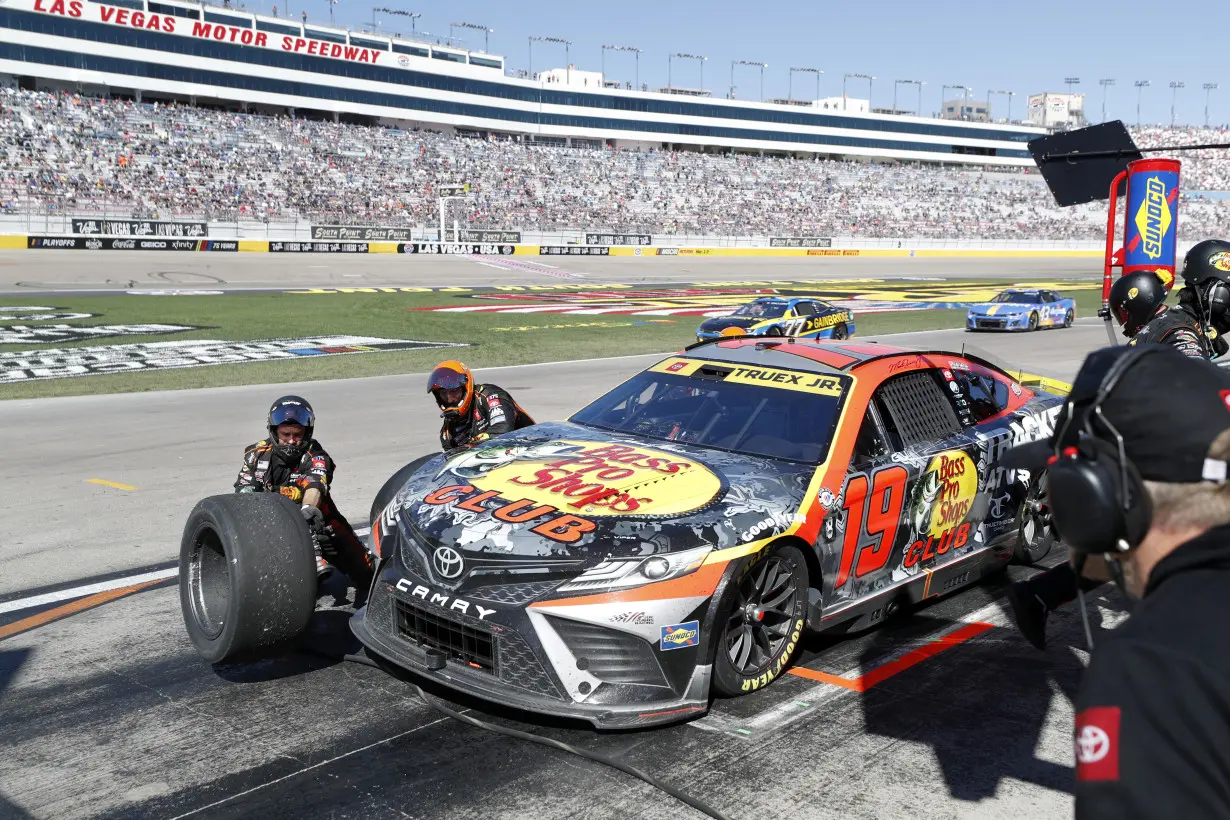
(1168, 408)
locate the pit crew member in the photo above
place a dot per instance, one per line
(294, 464)
(472, 413)
(1138, 302)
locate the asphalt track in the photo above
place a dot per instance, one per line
(108, 712)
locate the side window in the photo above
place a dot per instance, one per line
(870, 443)
(805, 308)
(978, 396)
(915, 410)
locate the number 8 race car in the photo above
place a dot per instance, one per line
(678, 535)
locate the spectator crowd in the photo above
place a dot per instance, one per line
(76, 155)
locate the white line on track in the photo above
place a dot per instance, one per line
(89, 589)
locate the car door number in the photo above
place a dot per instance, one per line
(872, 521)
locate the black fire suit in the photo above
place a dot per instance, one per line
(493, 411)
(264, 471)
(1153, 711)
(1179, 328)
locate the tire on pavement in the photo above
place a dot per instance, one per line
(389, 491)
(760, 622)
(1033, 321)
(841, 331)
(1035, 534)
(247, 575)
(1069, 318)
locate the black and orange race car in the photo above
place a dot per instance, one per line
(678, 535)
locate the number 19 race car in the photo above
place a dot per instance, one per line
(674, 538)
(781, 316)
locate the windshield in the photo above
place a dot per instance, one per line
(762, 310)
(711, 409)
(1019, 297)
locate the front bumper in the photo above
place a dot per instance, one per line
(996, 323)
(529, 661)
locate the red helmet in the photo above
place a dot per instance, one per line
(451, 375)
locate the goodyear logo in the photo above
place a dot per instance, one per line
(677, 636)
(1153, 218)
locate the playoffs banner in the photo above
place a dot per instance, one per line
(138, 228)
(112, 244)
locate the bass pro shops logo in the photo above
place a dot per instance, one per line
(1153, 218)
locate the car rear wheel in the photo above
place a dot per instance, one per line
(759, 627)
(841, 331)
(1033, 321)
(1068, 318)
(1035, 535)
(247, 575)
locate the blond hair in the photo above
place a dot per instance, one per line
(1201, 504)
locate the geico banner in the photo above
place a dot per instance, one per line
(573, 250)
(461, 248)
(140, 228)
(346, 233)
(108, 243)
(488, 237)
(318, 247)
(618, 239)
(800, 242)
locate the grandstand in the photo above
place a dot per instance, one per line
(76, 155)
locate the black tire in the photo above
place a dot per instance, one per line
(1033, 321)
(773, 331)
(841, 332)
(1069, 318)
(247, 575)
(761, 622)
(389, 491)
(1035, 535)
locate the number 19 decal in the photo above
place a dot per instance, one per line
(872, 520)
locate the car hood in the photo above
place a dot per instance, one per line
(1003, 309)
(562, 492)
(720, 323)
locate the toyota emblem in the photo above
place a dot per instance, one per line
(447, 563)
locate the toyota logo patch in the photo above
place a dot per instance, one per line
(447, 563)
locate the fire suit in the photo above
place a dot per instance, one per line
(264, 471)
(493, 412)
(1177, 327)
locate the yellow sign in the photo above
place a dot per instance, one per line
(595, 479)
(1153, 217)
(1221, 260)
(946, 493)
(819, 383)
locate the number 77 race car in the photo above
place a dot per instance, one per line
(678, 536)
(781, 316)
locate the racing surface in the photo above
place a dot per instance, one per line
(109, 712)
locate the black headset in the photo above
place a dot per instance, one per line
(1105, 507)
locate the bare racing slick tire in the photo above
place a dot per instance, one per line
(391, 487)
(247, 575)
(761, 622)
(1035, 535)
(1033, 321)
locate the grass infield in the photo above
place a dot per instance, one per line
(495, 338)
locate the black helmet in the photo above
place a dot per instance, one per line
(1206, 260)
(296, 409)
(1135, 298)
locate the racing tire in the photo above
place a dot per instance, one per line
(1033, 321)
(247, 575)
(391, 487)
(773, 331)
(1035, 534)
(1068, 319)
(841, 332)
(760, 625)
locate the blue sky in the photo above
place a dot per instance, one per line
(1026, 48)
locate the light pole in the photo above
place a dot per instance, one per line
(816, 71)
(1140, 86)
(918, 83)
(486, 31)
(866, 77)
(1009, 95)
(1208, 87)
(1175, 85)
(734, 63)
(565, 43)
(1105, 84)
(413, 15)
(634, 50)
(699, 58)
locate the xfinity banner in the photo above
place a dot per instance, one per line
(460, 248)
(111, 227)
(618, 239)
(360, 234)
(800, 242)
(318, 247)
(108, 243)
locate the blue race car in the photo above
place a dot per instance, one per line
(801, 317)
(1016, 309)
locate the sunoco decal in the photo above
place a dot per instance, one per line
(677, 636)
(63, 363)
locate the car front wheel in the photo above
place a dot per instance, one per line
(1035, 535)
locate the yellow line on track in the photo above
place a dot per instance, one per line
(106, 483)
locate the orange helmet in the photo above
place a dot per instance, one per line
(451, 375)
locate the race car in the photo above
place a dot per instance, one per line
(676, 537)
(781, 316)
(1016, 309)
